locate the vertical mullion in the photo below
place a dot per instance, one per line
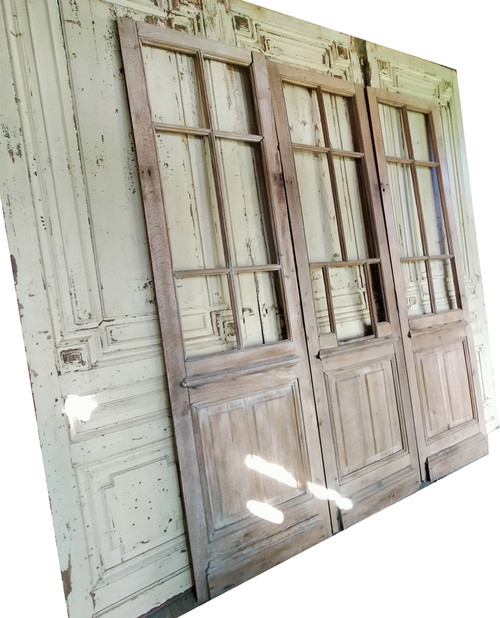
(456, 281)
(420, 212)
(430, 284)
(329, 301)
(371, 300)
(333, 180)
(219, 194)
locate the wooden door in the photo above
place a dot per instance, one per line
(346, 287)
(429, 282)
(237, 366)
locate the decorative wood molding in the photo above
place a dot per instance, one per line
(127, 534)
(320, 49)
(59, 195)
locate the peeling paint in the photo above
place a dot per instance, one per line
(66, 579)
(72, 357)
(13, 264)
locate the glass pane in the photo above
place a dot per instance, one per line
(172, 87)
(231, 99)
(417, 288)
(261, 307)
(339, 121)
(246, 204)
(318, 209)
(320, 304)
(351, 207)
(420, 138)
(444, 285)
(192, 219)
(405, 210)
(391, 119)
(432, 211)
(378, 292)
(350, 302)
(303, 115)
(206, 315)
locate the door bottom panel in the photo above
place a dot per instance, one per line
(454, 457)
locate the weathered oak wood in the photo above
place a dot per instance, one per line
(439, 350)
(360, 386)
(253, 402)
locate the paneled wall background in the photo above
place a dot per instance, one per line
(77, 237)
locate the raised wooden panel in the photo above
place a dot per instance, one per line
(367, 415)
(131, 507)
(445, 387)
(252, 451)
(372, 428)
(97, 415)
(122, 451)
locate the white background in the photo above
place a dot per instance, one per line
(460, 35)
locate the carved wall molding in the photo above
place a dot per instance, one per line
(309, 45)
(127, 533)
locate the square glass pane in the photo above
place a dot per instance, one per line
(172, 87)
(405, 210)
(231, 100)
(435, 230)
(391, 120)
(420, 136)
(188, 187)
(206, 315)
(351, 206)
(251, 236)
(261, 307)
(350, 302)
(303, 115)
(444, 285)
(417, 288)
(339, 121)
(318, 210)
(320, 303)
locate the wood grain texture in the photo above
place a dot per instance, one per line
(442, 366)
(229, 423)
(361, 389)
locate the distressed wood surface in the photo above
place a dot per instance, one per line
(250, 309)
(393, 71)
(361, 391)
(441, 363)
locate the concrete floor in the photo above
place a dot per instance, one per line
(435, 554)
